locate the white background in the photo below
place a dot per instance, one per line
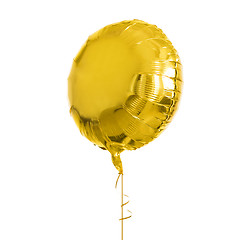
(54, 184)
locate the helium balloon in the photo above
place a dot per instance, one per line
(124, 86)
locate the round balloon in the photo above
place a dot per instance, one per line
(124, 86)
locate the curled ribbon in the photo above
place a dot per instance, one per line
(123, 204)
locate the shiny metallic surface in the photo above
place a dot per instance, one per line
(124, 86)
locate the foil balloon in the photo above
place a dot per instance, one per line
(124, 86)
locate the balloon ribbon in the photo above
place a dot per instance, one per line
(122, 204)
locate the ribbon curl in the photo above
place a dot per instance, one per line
(123, 204)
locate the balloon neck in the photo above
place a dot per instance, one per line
(117, 162)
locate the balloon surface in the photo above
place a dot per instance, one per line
(124, 86)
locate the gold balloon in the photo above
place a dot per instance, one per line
(124, 86)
